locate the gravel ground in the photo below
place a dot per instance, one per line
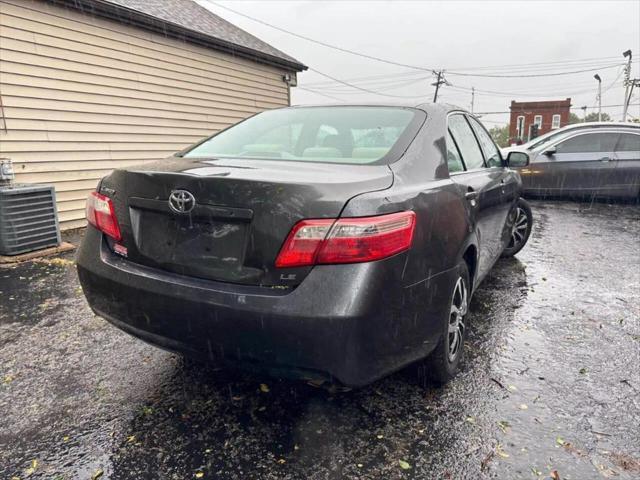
(551, 383)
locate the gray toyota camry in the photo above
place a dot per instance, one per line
(335, 243)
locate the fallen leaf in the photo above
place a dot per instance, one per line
(501, 452)
(535, 471)
(264, 388)
(97, 474)
(379, 437)
(583, 371)
(555, 475)
(131, 438)
(560, 441)
(471, 420)
(404, 465)
(199, 474)
(503, 424)
(32, 468)
(282, 461)
(523, 406)
(8, 379)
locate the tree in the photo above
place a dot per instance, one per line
(500, 135)
(573, 118)
(591, 117)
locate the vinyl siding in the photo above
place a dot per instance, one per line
(83, 95)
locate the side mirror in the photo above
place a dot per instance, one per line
(517, 159)
(549, 151)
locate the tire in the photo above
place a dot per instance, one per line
(521, 220)
(444, 362)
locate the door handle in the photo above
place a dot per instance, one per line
(605, 159)
(472, 197)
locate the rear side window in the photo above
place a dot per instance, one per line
(588, 143)
(454, 160)
(466, 142)
(352, 135)
(628, 143)
(491, 152)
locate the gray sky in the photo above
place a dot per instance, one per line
(461, 36)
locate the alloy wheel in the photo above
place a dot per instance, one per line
(456, 319)
(519, 229)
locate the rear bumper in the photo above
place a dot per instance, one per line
(354, 323)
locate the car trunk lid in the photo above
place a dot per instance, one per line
(243, 211)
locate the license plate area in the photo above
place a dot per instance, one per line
(190, 242)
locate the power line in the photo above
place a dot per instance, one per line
(391, 62)
(532, 75)
(565, 62)
(320, 93)
(387, 86)
(324, 44)
(362, 88)
(554, 108)
(393, 77)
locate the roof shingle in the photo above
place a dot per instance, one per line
(189, 15)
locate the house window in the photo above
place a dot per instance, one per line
(520, 127)
(537, 120)
(555, 121)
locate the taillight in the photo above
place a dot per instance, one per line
(100, 214)
(347, 240)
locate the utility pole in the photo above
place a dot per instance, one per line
(439, 81)
(627, 83)
(473, 97)
(597, 77)
(634, 83)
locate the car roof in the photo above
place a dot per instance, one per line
(594, 125)
(427, 107)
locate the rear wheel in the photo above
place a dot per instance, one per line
(520, 229)
(444, 361)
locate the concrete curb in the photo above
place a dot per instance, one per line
(10, 260)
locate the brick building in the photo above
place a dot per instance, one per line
(547, 115)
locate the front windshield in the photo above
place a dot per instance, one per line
(355, 135)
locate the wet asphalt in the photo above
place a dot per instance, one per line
(550, 387)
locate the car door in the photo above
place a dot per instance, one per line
(582, 164)
(482, 188)
(505, 188)
(627, 172)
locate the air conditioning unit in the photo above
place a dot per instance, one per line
(28, 218)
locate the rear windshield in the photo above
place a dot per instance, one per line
(354, 135)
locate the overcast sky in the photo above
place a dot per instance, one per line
(461, 36)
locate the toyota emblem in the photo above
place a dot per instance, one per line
(181, 201)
